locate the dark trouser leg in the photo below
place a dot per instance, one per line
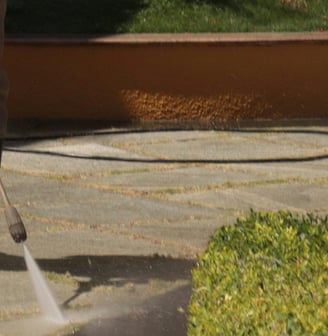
(15, 224)
(3, 79)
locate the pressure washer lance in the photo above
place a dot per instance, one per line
(14, 221)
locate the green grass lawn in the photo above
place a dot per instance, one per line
(160, 16)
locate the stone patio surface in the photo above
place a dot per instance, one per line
(116, 219)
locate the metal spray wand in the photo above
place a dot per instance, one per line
(14, 221)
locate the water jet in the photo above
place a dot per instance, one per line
(17, 230)
(46, 300)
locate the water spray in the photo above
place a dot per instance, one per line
(14, 221)
(17, 230)
(47, 302)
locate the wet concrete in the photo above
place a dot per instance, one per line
(164, 315)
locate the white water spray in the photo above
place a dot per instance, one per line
(45, 298)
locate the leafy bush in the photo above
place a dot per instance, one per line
(296, 4)
(266, 275)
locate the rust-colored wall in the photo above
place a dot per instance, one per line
(167, 81)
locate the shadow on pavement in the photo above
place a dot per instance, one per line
(115, 271)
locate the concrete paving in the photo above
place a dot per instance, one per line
(116, 219)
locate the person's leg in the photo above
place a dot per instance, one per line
(3, 79)
(14, 221)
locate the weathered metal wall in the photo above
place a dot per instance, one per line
(167, 80)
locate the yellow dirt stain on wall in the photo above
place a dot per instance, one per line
(163, 106)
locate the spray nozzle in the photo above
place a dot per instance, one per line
(15, 224)
(14, 221)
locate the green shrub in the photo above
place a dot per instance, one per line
(266, 275)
